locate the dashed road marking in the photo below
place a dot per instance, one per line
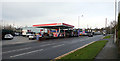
(47, 44)
(17, 50)
(26, 48)
(26, 53)
(57, 45)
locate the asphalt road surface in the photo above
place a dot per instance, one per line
(48, 49)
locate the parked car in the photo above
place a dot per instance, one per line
(24, 32)
(8, 36)
(97, 33)
(32, 37)
(84, 34)
(7, 31)
(17, 34)
(90, 34)
(28, 34)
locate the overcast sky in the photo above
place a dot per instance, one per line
(29, 12)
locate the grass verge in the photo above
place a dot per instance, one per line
(89, 52)
(107, 37)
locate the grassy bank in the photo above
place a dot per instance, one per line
(89, 52)
(107, 37)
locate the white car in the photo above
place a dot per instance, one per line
(84, 34)
(8, 36)
(17, 34)
(32, 36)
(28, 34)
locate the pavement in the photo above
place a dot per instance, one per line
(110, 51)
(47, 49)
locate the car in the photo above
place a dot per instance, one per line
(28, 34)
(32, 37)
(83, 34)
(8, 36)
(17, 34)
(90, 34)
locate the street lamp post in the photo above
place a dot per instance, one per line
(78, 24)
(79, 20)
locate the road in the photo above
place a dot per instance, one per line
(48, 49)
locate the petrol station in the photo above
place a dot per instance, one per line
(57, 29)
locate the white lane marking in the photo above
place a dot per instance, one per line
(25, 48)
(44, 42)
(17, 42)
(17, 50)
(26, 53)
(58, 45)
(47, 44)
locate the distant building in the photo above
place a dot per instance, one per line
(32, 29)
(27, 30)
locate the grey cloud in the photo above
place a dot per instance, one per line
(22, 10)
(49, 12)
(57, 0)
(15, 10)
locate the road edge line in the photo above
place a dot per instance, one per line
(72, 51)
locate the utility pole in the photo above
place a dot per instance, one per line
(105, 26)
(106, 23)
(110, 29)
(115, 21)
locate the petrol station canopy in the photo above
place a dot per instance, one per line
(54, 26)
